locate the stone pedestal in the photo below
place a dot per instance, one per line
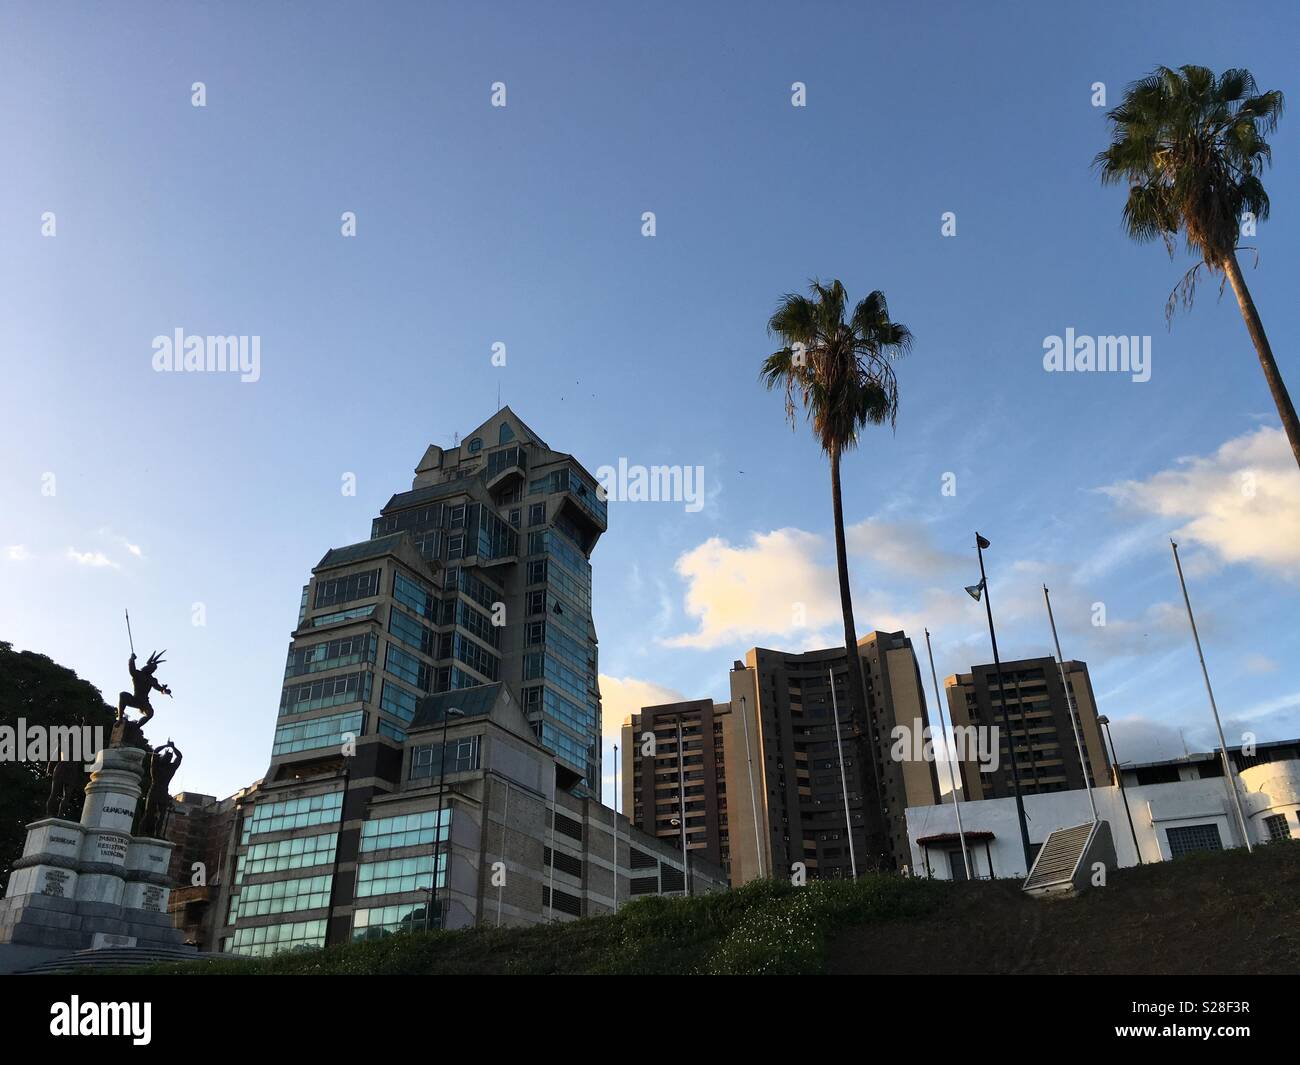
(93, 884)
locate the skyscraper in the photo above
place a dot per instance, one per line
(1047, 755)
(789, 709)
(654, 783)
(469, 606)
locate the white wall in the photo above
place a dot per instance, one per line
(1266, 789)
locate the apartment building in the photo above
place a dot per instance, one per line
(1038, 713)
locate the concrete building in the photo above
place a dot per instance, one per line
(652, 785)
(472, 594)
(1047, 755)
(203, 829)
(783, 723)
(1177, 806)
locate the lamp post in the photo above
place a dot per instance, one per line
(447, 715)
(1104, 722)
(1229, 774)
(983, 586)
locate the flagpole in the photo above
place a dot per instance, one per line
(952, 773)
(1229, 775)
(844, 788)
(1070, 706)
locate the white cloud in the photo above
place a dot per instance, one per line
(902, 547)
(620, 697)
(95, 559)
(771, 587)
(1240, 504)
(1258, 663)
(17, 553)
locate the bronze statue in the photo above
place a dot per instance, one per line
(67, 787)
(158, 804)
(144, 681)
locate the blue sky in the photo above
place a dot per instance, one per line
(523, 225)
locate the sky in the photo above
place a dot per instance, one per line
(201, 501)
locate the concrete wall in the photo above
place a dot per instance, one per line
(1267, 789)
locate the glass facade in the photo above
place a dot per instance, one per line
(297, 852)
(405, 830)
(318, 732)
(271, 939)
(376, 922)
(281, 896)
(293, 813)
(399, 875)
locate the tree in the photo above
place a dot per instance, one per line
(42, 693)
(1191, 148)
(842, 375)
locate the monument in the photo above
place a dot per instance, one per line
(93, 883)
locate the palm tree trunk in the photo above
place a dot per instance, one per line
(876, 837)
(1282, 398)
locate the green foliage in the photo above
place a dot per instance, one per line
(1191, 148)
(44, 693)
(765, 927)
(840, 372)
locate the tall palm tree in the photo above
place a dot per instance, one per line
(842, 374)
(1191, 148)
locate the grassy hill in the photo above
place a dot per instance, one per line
(1214, 913)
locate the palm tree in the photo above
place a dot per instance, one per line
(843, 376)
(1191, 148)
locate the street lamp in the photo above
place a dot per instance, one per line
(447, 715)
(974, 592)
(1118, 777)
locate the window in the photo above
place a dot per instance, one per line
(405, 830)
(536, 513)
(271, 939)
(458, 516)
(475, 446)
(298, 852)
(537, 602)
(318, 657)
(514, 516)
(397, 701)
(318, 694)
(462, 757)
(408, 668)
(1277, 827)
(317, 733)
(414, 594)
(376, 922)
(345, 589)
(294, 813)
(281, 896)
(507, 434)
(399, 875)
(456, 547)
(1190, 838)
